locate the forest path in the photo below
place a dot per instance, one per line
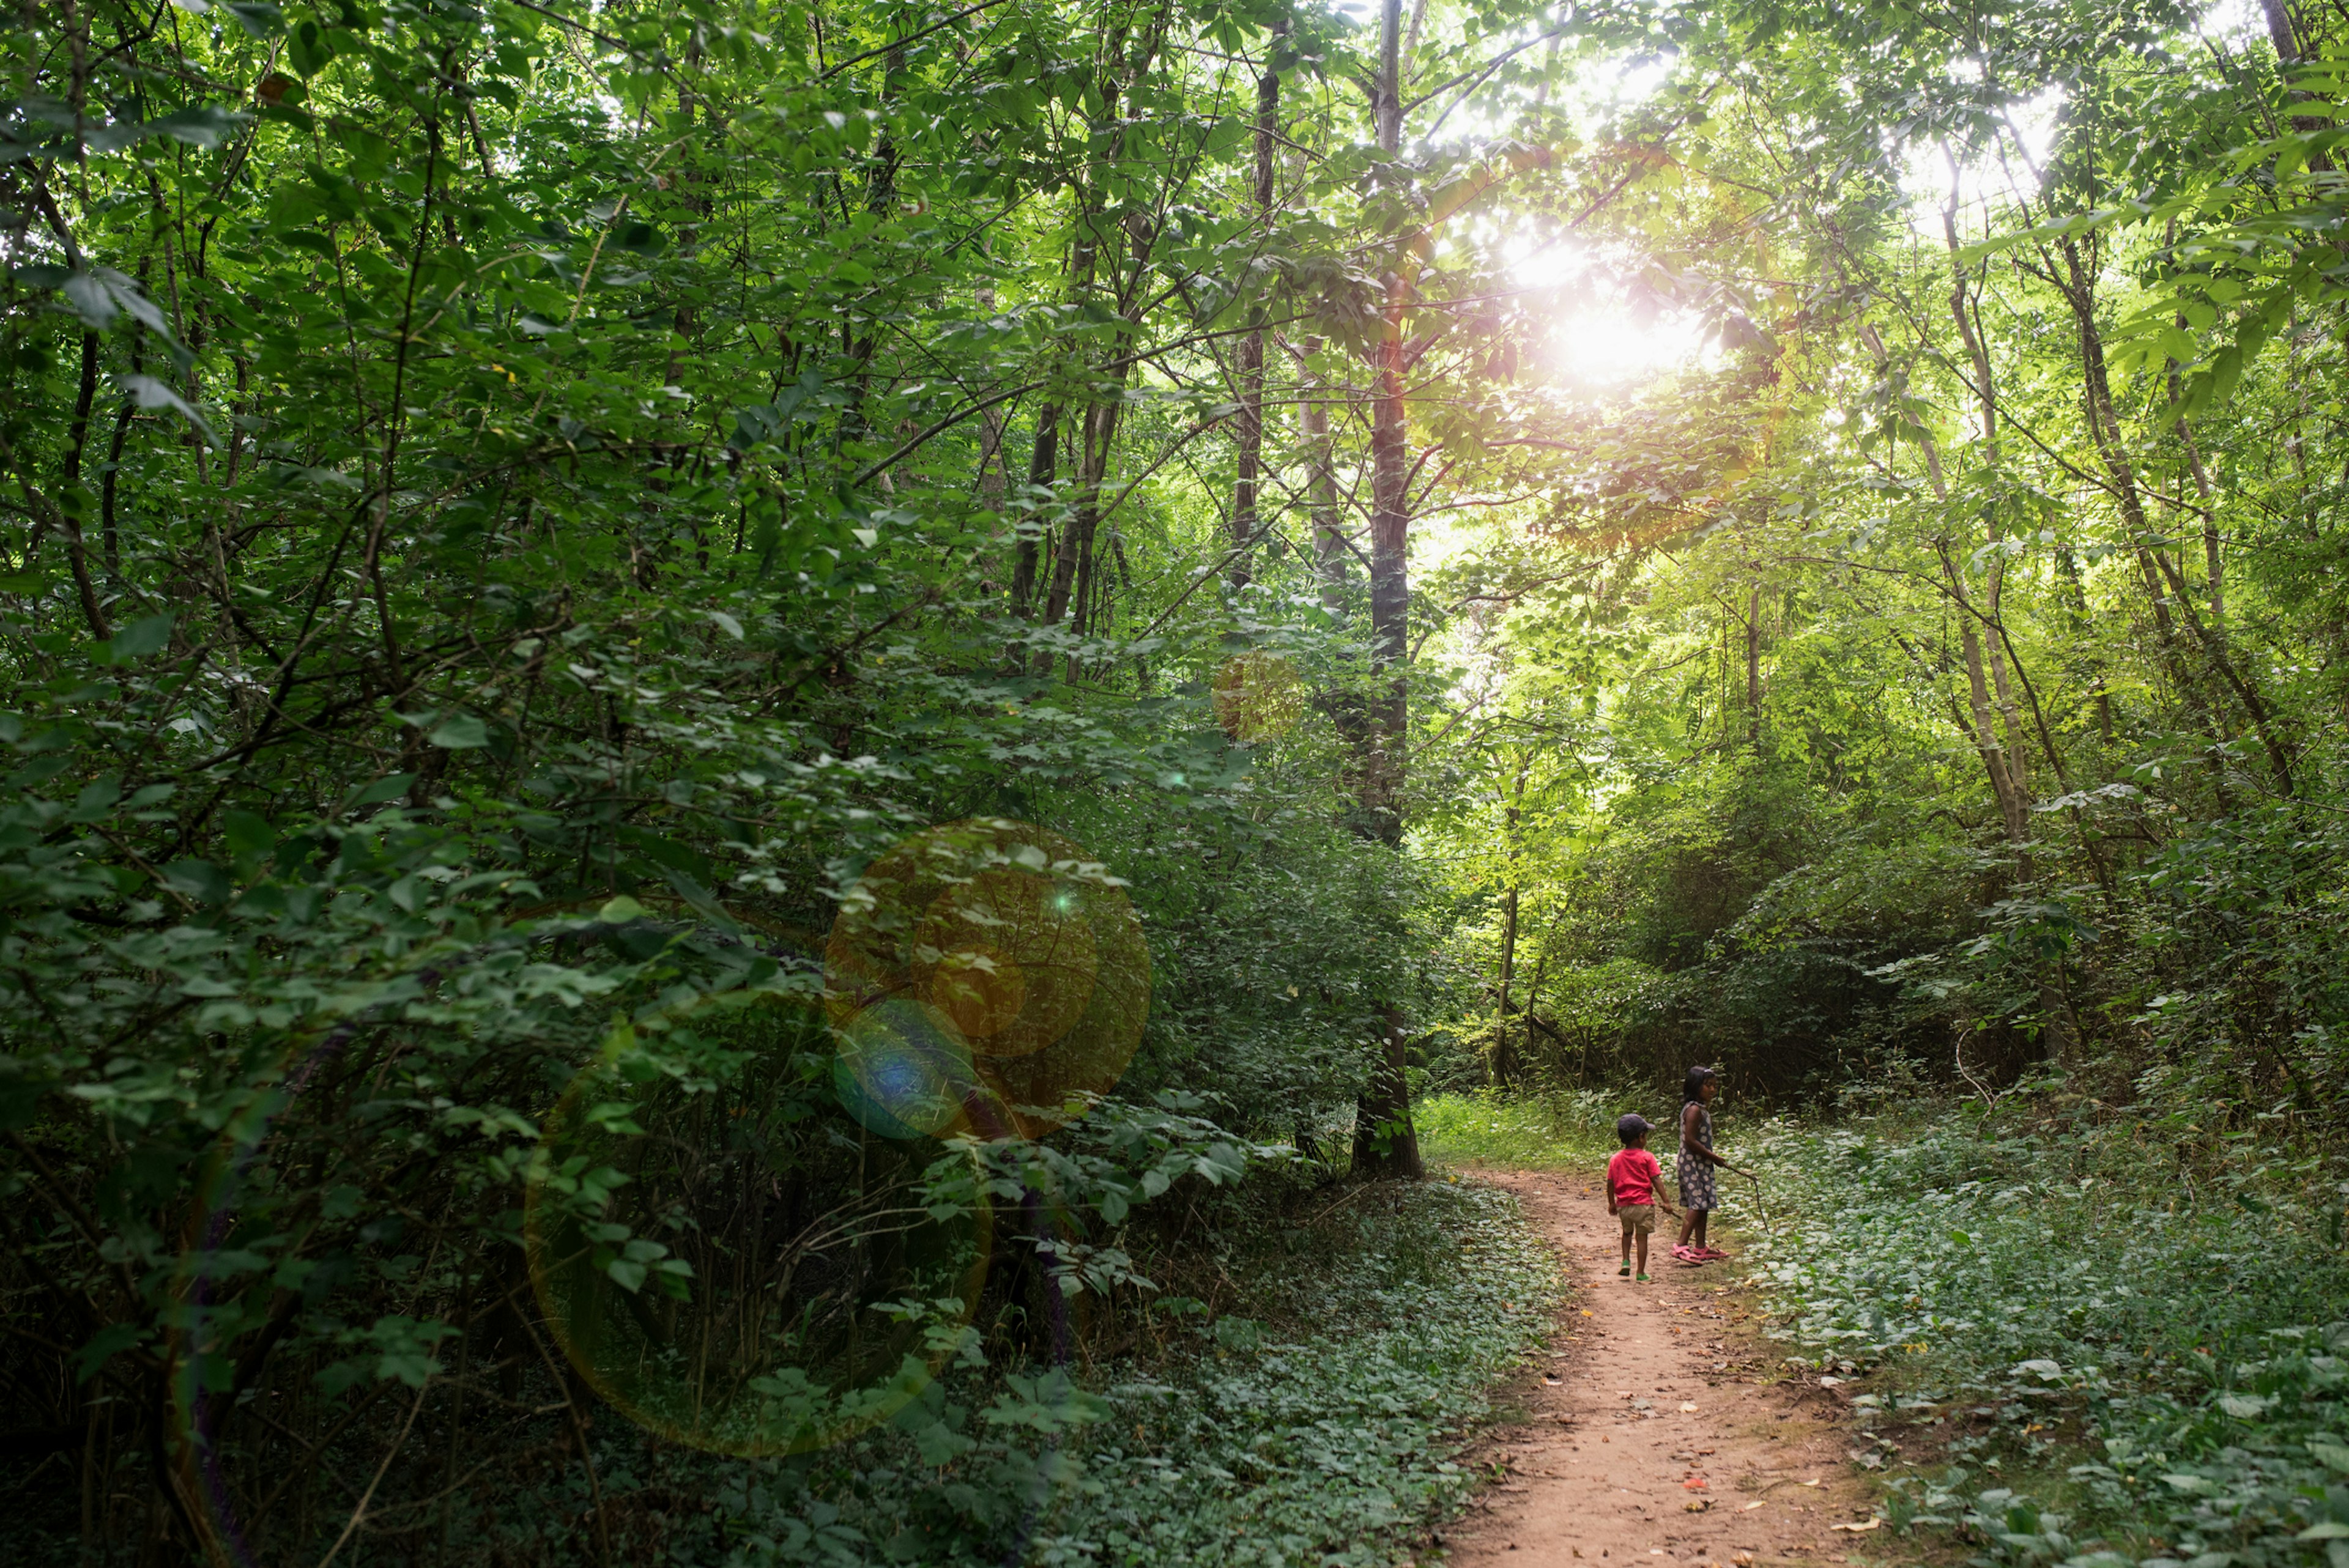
(1648, 1400)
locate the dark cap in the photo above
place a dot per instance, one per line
(1632, 1126)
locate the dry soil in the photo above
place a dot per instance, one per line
(1658, 1427)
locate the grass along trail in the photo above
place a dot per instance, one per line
(1645, 1435)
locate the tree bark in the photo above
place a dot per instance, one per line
(1753, 666)
(1505, 1065)
(1390, 525)
(2014, 804)
(1245, 524)
(1321, 493)
(1043, 465)
(2163, 581)
(1384, 1140)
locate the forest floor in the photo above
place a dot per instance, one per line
(1657, 1427)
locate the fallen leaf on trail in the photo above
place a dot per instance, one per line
(1694, 1483)
(1749, 1508)
(1697, 1505)
(1810, 1483)
(1688, 1410)
(1857, 1529)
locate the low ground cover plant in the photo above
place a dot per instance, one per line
(2088, 1336)
(1303, 1409)
(1309, 1415)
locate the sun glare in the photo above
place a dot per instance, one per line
(1592, 336)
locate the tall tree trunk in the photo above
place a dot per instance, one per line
(1043, 466)
(1384, 1140)
(1753, 666)
(2014, 803)
(2163, 582)
(1505, 1063)
(1245, 523)
(1322, 489)
(1077, 536)
(2016, 754)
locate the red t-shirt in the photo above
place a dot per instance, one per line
(1631, 1177)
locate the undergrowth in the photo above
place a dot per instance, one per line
(2098, 1338)
(1312, 1419)
(1553, 1130)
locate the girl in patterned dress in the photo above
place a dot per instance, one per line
(1699, 1196)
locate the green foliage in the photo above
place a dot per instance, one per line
(2122, 1337)
(512, 513)
(1314, 1429)
(1562, 1130)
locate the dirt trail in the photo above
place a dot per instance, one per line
(1649, 1402)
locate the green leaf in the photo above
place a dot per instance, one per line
(140, 639)
(309, 49)
(249, 835)
(459, 732)
(257, 17)
(103, 1346)
(391, 787)
(150, 393)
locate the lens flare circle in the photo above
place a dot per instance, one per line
(1007, 937)
(903, 1070)
(1009, 957)
(729, 1276)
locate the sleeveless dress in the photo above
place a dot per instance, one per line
(1694, 1170)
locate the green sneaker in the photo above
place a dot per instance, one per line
(1625, 1271)
(1643, 1279)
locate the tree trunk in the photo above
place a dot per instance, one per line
(1753, 666)
(1505, 1065)
(2014, 804)
(2163, 581)
(1245, 524)
(1043, 465)
(1384, 1140)
(1390, 525)
(1321, 492)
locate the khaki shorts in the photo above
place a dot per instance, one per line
(1640, 1218)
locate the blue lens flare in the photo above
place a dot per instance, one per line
(902, 1071)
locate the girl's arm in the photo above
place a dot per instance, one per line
(1687, 1137)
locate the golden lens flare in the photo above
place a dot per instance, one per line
(1008, 957)
(1006, 937)
(1257, 695)
(727, 1275)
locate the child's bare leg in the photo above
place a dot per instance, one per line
(1643, 1251)
(1698, 1220)
(1688, 1223)
(1627, 1244)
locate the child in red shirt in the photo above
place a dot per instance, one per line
(1633, 1179)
